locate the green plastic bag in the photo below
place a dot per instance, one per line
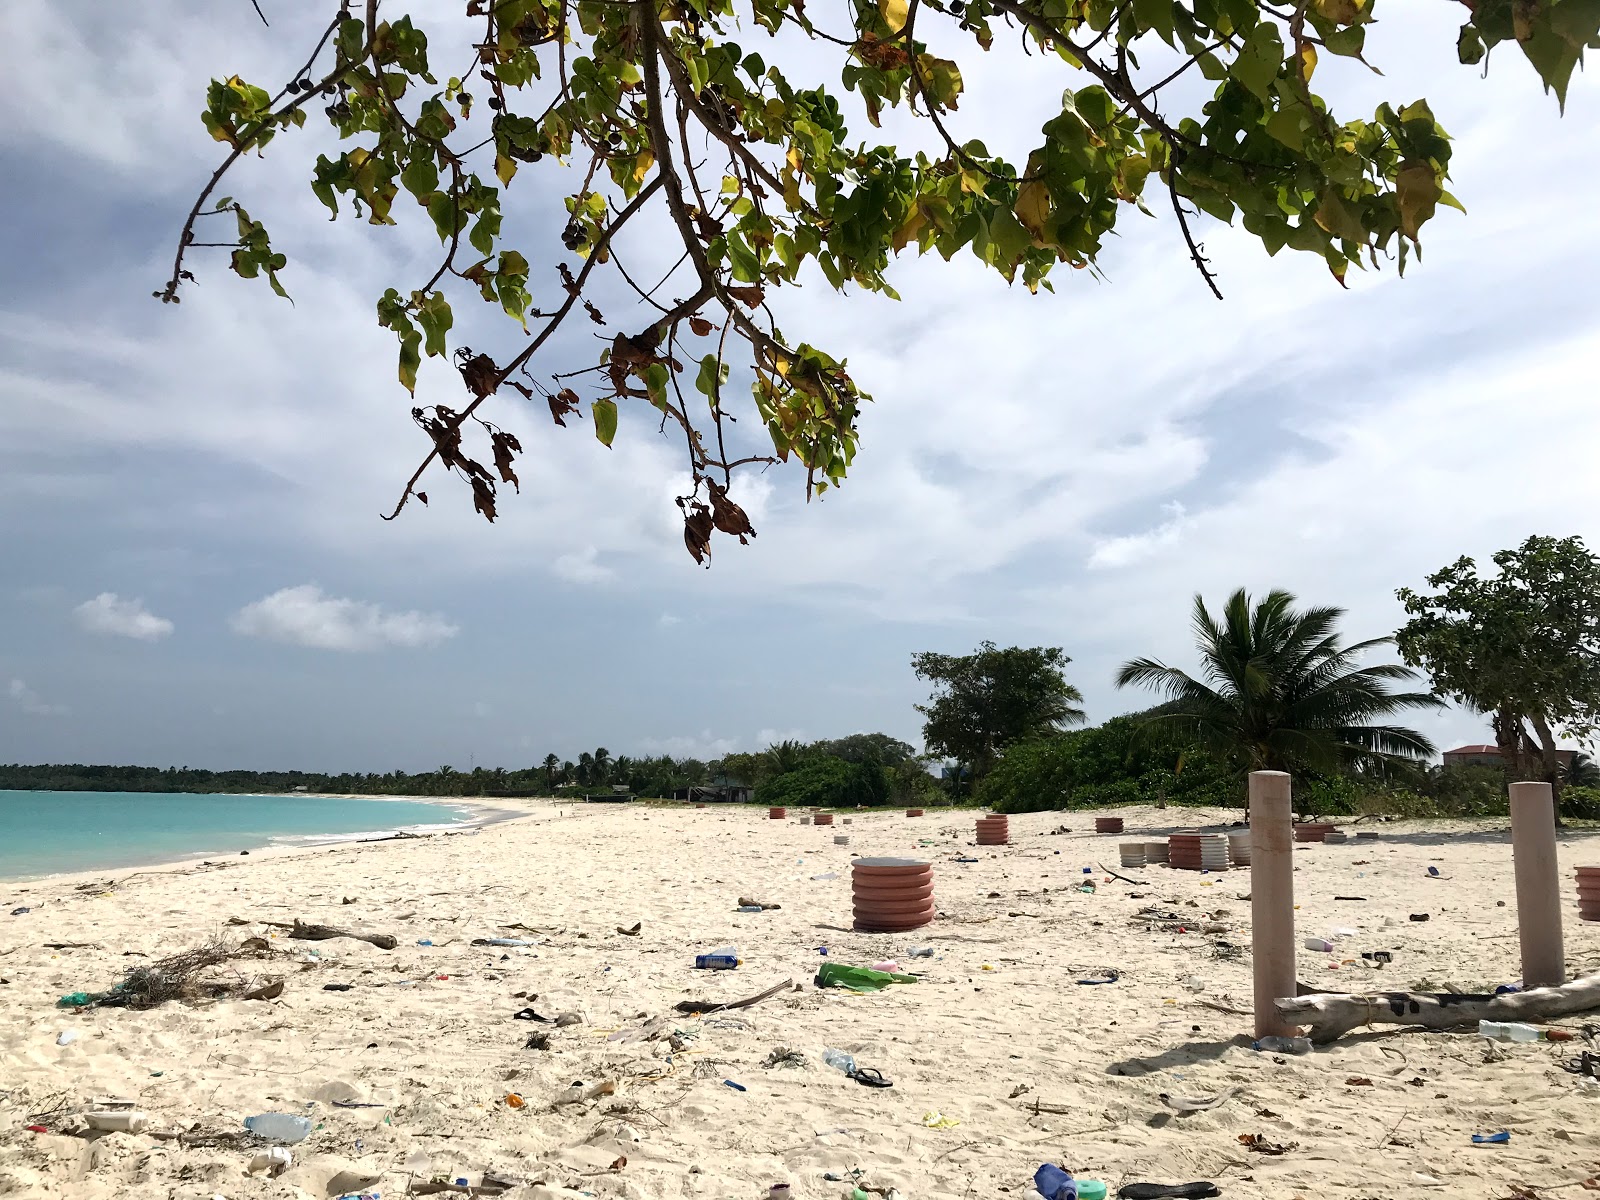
(858, 979)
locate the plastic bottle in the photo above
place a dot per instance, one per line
(920, 952)
(279, 1127)
(1283, 1045)
(1051, 1182)
(123, 1120)
(725, 959)
(1321, 945)
(1508, 1031)
(887, 964)
(838, 1058)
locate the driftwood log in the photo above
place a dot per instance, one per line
(705, 1008)
(321, 933)
(1330, 1015)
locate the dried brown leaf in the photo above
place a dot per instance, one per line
(483, 497)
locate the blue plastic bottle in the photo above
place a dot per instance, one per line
(1051, 1182)
(725, 959)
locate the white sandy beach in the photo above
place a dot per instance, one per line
(996, 1024)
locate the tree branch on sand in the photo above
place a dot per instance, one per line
(1331, 1015)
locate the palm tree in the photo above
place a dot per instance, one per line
(1582, 771)
(602, 764)
(551, 765)
(785, 756)
(585, 766)
(1279, 693)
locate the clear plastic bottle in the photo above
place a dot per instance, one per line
(1321, 945)
(1508, 1031)
(1284, 1045)
(838, 1058)
(279, 1127)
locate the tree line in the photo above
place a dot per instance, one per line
(1278, 689)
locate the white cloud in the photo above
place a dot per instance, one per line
(109, 614)
(582, 566)
(703, 746)
(668, 620)
(303, 616)
(29, 701)
(1133, 548)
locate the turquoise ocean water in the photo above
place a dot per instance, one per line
(44, 833)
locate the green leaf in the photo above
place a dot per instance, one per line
(1259, 61)
(1469, 46)
(421, 177)
(605, 420)
(1417, 190)
(352, 38)
(504, 168)
(711, 377)
(447, 218)
(1349, 41)
(410, 360)
(436, 319)
(655, 380)
(1157, 15)
(1334, 215)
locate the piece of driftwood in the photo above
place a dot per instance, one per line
(706, 1007)
(307, 932)
(1329, 1015)
(268, 990)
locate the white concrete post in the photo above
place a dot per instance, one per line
(1272, 898)
(1533, 852)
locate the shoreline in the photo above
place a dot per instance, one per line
(476, 814)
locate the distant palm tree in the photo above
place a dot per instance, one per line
(551, 765)
(602, 764)
(1582, 771)
(1279, 693)
(568, 771)
(785, 756)
(585, 767)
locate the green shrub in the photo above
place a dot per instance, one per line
(826, 783)
(1582, 803)
(1335, 796)
(1108, 765)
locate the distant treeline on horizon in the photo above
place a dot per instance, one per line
(77, 778)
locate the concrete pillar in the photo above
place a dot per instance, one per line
(1272, 898)
(1533, 852)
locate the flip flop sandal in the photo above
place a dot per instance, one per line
(1584, 1064)
(1106, 976)
(870, 1077)
(528, 1014)
(1158, 1191)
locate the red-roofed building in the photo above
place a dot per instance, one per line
(1489, 756)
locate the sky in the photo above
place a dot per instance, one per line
(195, 572)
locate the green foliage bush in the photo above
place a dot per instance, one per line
(826, 783)
(1581, 802)
(1108, 765)
(1336, 796)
